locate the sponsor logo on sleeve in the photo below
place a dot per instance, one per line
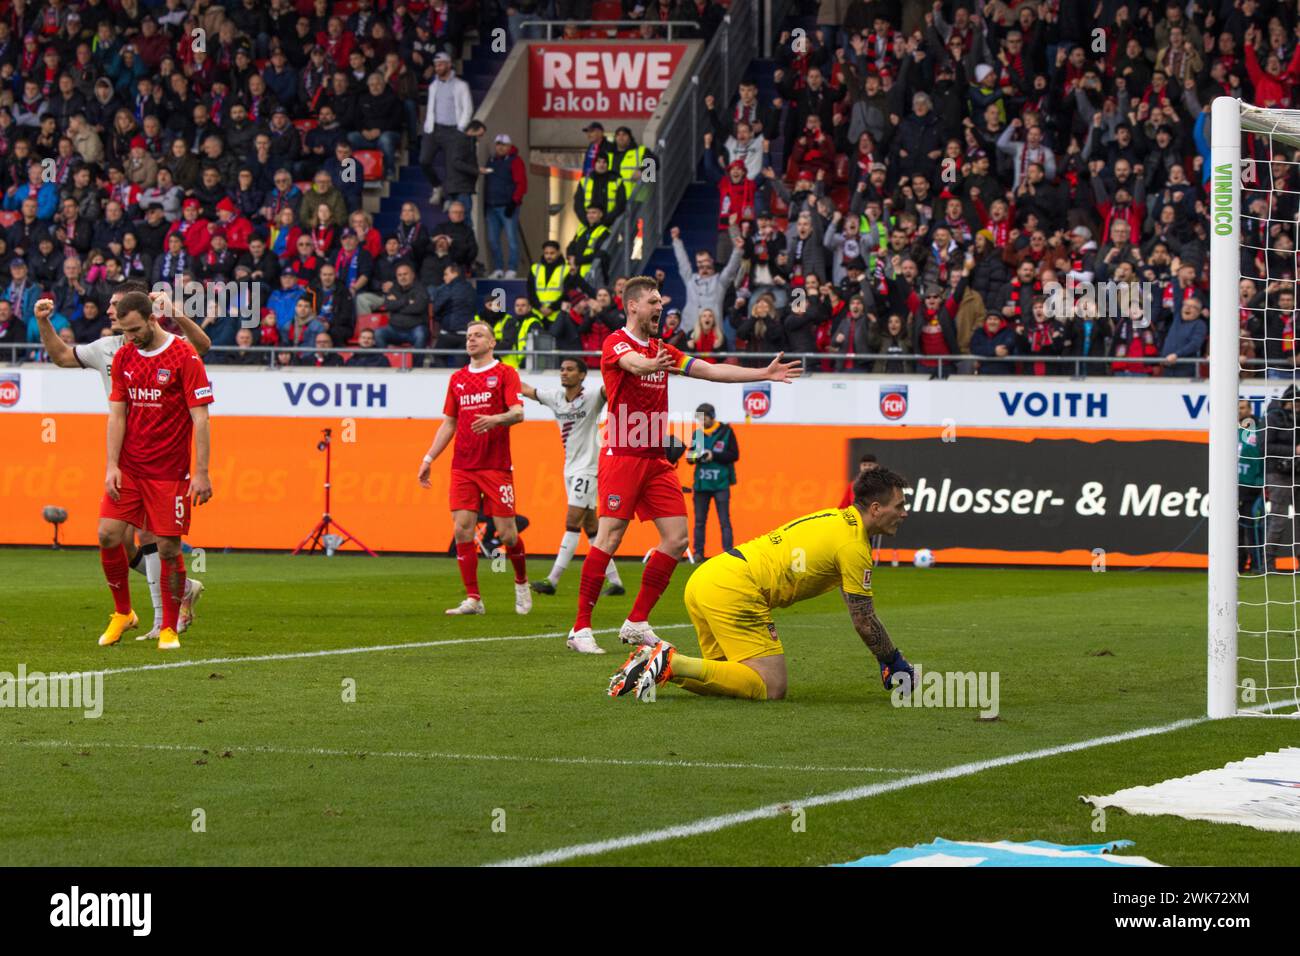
(204, 392)
(622, 347)
(866, 579)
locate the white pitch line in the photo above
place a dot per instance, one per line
(439, 755)
(722, 821)
(302, 655)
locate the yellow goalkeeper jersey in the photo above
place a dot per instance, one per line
(810, 555)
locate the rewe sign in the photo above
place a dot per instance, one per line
(596, 80)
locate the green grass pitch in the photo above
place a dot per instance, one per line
(493, 750)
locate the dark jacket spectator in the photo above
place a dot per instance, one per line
(993, 340)
(454, 304)
(407, 307)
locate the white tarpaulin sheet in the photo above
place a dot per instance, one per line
(1261, 792)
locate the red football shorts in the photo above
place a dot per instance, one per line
(494, 487)
(645, 487)
(162, 507)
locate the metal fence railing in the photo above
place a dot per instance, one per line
(660, 29)
(543, 359)
(679, 141)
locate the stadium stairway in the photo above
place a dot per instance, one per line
(410, 185)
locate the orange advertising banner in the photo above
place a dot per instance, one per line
(268, 479)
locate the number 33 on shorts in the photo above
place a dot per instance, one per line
(507, 493)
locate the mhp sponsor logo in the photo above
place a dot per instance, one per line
(337, 394)
(1055, 404)
(11, 389)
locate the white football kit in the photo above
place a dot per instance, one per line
(98, 355)
(579, 422)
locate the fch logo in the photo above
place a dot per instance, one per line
(11, 387)
(893, 401)
(757, 399)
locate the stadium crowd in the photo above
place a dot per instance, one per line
(915, 186)
(992, 184)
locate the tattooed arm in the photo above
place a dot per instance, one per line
(862, 610)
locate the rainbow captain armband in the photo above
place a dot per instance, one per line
(683, 366)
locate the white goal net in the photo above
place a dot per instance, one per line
(1254, 537)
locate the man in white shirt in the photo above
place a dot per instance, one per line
(98, 356)
(448, 111)
(577, 409)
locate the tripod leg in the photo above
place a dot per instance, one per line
(313, 536)
(348, 536)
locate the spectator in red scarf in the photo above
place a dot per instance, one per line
(1041, 335)
(933, 331)
(814, 151)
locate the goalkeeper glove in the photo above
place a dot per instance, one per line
(898, 667)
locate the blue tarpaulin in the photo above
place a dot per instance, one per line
(1004, 853)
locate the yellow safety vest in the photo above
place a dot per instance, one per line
(611, 195)
(589, 253)
(629, 168)
(526, 325)
(550, 290)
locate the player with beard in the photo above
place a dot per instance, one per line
(634, 477)
(98, 355)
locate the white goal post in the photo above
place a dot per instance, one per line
(1254, 557)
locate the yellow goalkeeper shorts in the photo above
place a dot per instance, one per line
(732, 621)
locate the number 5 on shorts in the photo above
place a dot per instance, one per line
(180, 507)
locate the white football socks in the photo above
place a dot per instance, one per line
(153, 573)
(568, 545)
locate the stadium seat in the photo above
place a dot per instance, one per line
(8, 218)
(305, 125)
(399, 359)
(368, 320)
(372, 164)
(607, 10)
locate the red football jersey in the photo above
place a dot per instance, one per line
(490, 390)
(159, 388)
(638, 405)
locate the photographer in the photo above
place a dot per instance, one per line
(714, 452)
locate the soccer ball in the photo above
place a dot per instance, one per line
(923, 558)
